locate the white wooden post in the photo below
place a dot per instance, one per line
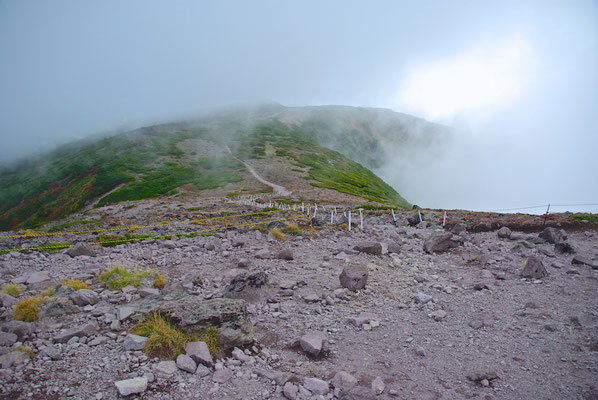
(331, 217)
(394, 218)
(302, 208)
(315, 210)
(444, 219)
(349, 219)
(420, 215)
(360, 219)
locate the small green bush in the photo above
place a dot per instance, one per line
(293, 229)
(26, 309)
(119, 277)
(164, 339)
(75, 284)
(159, 282)
(12, 289)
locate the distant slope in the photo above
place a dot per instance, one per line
(190, 156)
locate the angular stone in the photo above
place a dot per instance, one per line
(438, 242)
(13, 358)
(38, 277)
(80, 249)
(165, 368)
(313, 342)
(186, 363)
(129, 289)
(285, 254)
(83, 297)
(19, 328)
(316, 386)
(564, 247)
(394, 248)
(344, 381)
(134, 342)
(459, 228)
(504, 233)
(131, 386)
(202, 371)
(222, 375)
(290, 391)
(98, 341)
(246, 286)
(77, 331)
(7, 339)
(194, 314)
(422, 298)
(240, 355)
(378, 386)
(123, 313)
(56, 306)
(438, 315)
(354, 277)
(199, 352)
(584, 261)
(552, 235)
(243, 263)
(534, 268)
(374, 248)
(7, 300)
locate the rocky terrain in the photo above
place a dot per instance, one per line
(399, 309)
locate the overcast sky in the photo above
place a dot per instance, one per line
(518, 80)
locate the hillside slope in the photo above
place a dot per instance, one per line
(196, 157)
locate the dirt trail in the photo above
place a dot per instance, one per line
(277, 189)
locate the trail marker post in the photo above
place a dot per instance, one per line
(361, 218)
(444, 219)
(546, 215)
(349, 220)
(420, 215)
(394, 218)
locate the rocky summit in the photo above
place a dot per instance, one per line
(393, 309)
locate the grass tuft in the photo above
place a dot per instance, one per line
(12, 289)
(75, 284)
(159, 282)
(24, 349)
(49, 292)
(293, 229)
(164, 339)
(26, 309)
(119, 277)
(277, 233)
(210, 337)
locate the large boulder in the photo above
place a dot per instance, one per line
(374, 248)
(354, 277)
(192, 314)
(414, 219)
(80, 249)
(534, 268)
(83, 297)
(552, 235)
(131, 386)
(504, 233)
(437, 242)
(84, 330)
(55, 307)
(19, 328)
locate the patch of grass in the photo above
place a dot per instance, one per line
(164, 339)
(193, 209)
(73, 223)
(26, 309)
(277, 233)
(233, 194)
(119, 277)
(12, 289)
(374, 208)
(267, 209)
(293, 229)
(297, 170)
(75, 284)
(49, 292)
(130, 206)
(115, 240)
(159, 281)
(210, 337)
(24, 349)
(282, 153)
(586, 217)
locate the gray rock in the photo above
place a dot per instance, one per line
(344, 381)
(422, 298)
(551, 235)
(13, 358)
(564, 247)
(19, 328)
(84, 330)
(52, 352)
(131, 386)
(7, 339)
(378, 386)
(373, 248)
(354, 277)
(56, 306)
(186, 363)
(98, 341)
(194, 314)
(199, 352)
(438, 242)
(80, 249)
(504, 233)
(222, 375)
(459, 228)
(290, 391)
(534, 268)
(316, 386)
(285, 254)
(134, 342)
(240, 355)
(438, 315)
(394, 248)
(83, 297)
(202, 371)
(246, 286)
(146, 292)
(123, 313)
(38, 277)
(414, 219)
(584, 261)
(362, 318)
(313, 342)
(165, 368)
(129, 289)
(7, 300)
(243, 263)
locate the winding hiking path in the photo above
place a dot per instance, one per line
(276, 189)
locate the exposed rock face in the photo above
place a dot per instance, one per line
(246, 285)
(534, 268)
(564, 247)
(584, 261)
(193, 314)
(459, 228)
(19, 328)
(56, 306)
(83, 297)
(373, 248)
(80, 249)
(79, 331)
(438, 242)
(354, 277)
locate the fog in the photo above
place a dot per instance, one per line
(517, 80)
